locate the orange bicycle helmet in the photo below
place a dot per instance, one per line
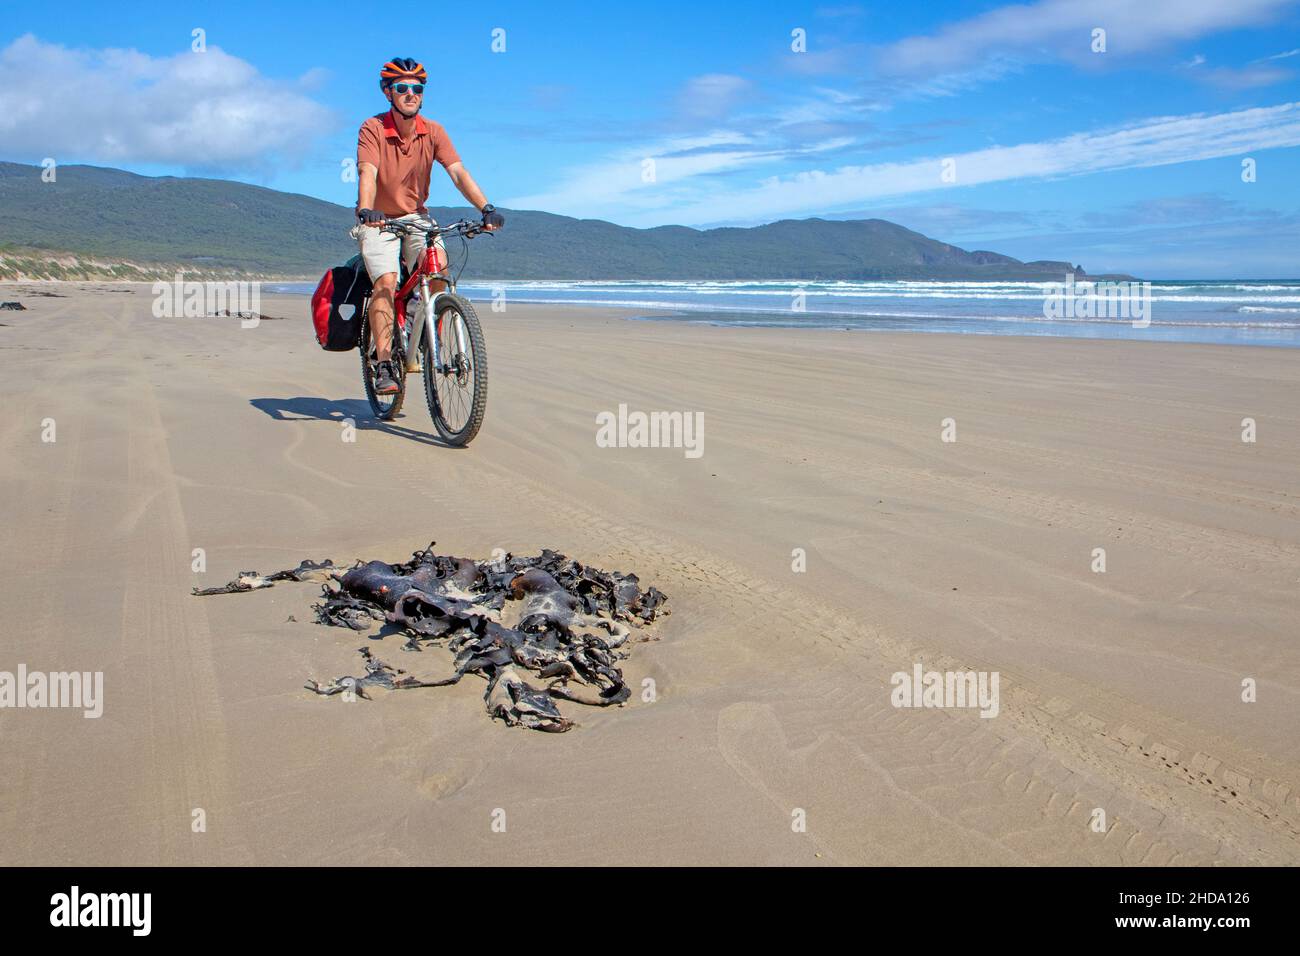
(400, 68)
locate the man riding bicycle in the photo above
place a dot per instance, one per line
(395, 155)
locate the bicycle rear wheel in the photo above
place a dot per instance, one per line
(385, 407)
(457, 395)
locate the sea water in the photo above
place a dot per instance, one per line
(1220, 311)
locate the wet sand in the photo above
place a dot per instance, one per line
(1119, 690)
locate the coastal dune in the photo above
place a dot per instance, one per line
(827, 538)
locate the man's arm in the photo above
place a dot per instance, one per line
(368, 153)
(367, 183)
(463, 181)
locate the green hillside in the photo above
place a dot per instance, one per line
(213, 224)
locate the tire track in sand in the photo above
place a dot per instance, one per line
(1027, 782)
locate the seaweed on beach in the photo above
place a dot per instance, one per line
(252, 581)
(226, 313)
(569, 625)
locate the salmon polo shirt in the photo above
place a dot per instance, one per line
(404, 165)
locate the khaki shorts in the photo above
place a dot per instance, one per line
(380, 249)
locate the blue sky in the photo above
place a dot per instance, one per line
(1128, 159)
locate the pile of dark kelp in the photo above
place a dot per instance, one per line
(567, 625)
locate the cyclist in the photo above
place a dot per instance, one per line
(395, 154)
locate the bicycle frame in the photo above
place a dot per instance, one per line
(428, 269)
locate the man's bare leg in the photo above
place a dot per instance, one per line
(381, 314)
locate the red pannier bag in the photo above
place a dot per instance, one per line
(337, 306)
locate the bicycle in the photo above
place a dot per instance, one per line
(449, 352)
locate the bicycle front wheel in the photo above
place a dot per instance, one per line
(456, 386)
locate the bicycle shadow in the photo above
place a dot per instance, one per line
(307, 408)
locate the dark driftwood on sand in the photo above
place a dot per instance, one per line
(572, 621)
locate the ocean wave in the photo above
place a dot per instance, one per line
(1035, 327)
(785, 316)
(1019, 292)
(1225, 294)
(985, 284)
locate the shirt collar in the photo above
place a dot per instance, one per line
(390, 128)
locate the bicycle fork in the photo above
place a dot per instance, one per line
(425, 320)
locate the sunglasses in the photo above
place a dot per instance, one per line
(416, 88)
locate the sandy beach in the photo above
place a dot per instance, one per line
(1120, 690)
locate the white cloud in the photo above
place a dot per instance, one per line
(842, 58)
(683, 194)
(1063, 28)
(1280, 56)
(1159, 248)
(1254, 74)
(838, 97)
(1246, 78)
(712, 95)
(831, 106)
(680, 167)
(198, 110)
(850, 11)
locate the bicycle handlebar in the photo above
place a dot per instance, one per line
(468, 228)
